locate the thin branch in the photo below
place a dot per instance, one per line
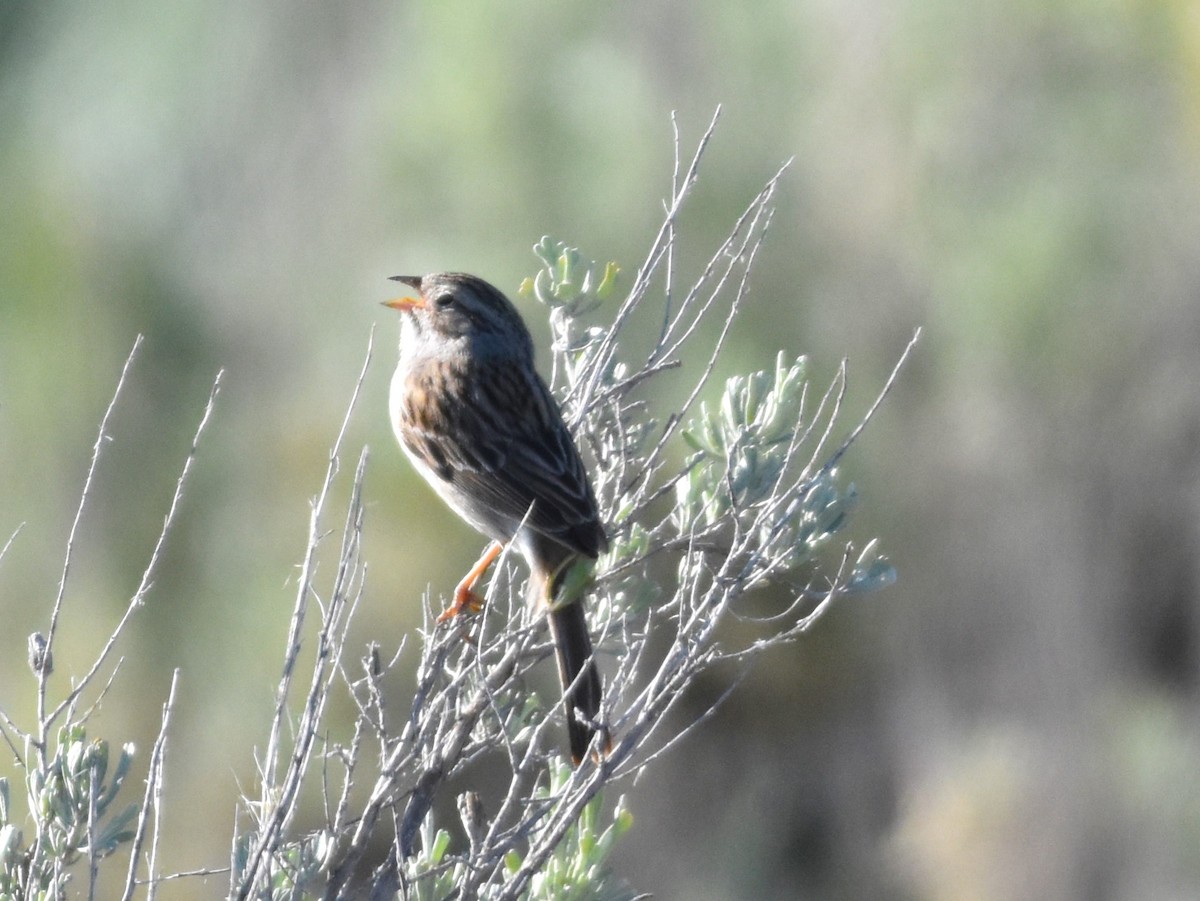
(884, 392)
(56, 610)
(144, 585)
(151, 805)
(663, 240)
(306, 576)
(277, 806)
(11, 539)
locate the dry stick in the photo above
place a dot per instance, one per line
(5, 720)
(675, 669)
(144, 585)
(269, 830)
(151, 804)
(11, 538)
(349, 758)
(694, 636)
(567, 812)
(93, 853)
(749, 247)
(329, 649)
(370, 719)
(10, 726)
(292, 650)
(435, 767)
(642, 280)
(748, 224)
(669, 273)
(887, 388)
(759, 210)
(46, 720)
(158, 758)
(84, 717)
(689, 728)
(671, 678)
(42, 676)
(497, 841)
(202, 872)
(339, 818)
(443, 759)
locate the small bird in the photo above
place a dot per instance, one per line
(477, 421)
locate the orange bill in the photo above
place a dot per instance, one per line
(404, 304)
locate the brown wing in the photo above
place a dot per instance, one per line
(505, 448)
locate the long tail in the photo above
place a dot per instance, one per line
(579, 676)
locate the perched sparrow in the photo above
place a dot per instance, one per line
(480, 425)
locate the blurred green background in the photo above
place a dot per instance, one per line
(1017, 718)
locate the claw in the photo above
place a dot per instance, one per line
(465, 601)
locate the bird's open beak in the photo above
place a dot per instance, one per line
(404, 304)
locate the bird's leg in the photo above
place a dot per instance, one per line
(465, 598)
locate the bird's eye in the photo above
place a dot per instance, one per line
(444, 301)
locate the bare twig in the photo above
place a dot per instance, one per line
(151, 805)
(277, 805)
(56, 610)
(47, 720)
(306, 575)
(72, 790)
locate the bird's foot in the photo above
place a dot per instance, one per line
(465, 601)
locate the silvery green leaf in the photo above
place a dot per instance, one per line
(880, 574)
(10, 844)
(542, 289)
(124, 763)
(547, 250)
(608, 282)
(755, 387)
(116, 830)
(74, 760)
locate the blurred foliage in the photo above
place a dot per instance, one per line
(578, 870)
(237, 180)
(69, 816)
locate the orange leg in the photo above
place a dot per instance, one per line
(465, 597)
